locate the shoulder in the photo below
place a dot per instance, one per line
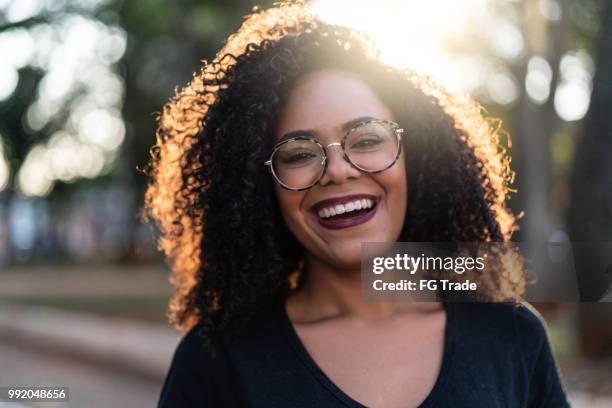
(208, 370)
(510, 315)
(546, 388)
(515, 330)
(198, 373)
(513, 338)
(509, 325)
(193, 350)
(529, 325)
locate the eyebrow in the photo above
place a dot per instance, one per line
(310, 133)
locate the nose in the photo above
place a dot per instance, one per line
(339, 169)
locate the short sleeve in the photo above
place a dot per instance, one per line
(198, 376)
(545, 386)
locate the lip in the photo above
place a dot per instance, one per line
(345, 222)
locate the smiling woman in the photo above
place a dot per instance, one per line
(272, 167)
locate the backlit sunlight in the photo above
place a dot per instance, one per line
(414, 34)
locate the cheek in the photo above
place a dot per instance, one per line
(397, 179)
(396, 186)
(289, 203)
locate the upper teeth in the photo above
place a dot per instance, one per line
(344, 208)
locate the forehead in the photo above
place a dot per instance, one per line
(323, 100)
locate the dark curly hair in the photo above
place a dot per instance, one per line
(213, 200)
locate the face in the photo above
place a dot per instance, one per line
(322, 104)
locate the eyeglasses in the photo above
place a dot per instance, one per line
(371, 146)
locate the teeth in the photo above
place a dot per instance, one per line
(345, 208)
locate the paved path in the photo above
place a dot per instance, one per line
(89, 385)
(131, 345)
(19, 282)
(105, 362)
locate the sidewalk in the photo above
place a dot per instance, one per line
(118, 343)
(83, 281)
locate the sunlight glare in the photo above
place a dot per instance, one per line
(410, 33)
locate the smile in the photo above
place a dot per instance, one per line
(339, 209)
(347, 211)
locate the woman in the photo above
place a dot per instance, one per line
(276, 162)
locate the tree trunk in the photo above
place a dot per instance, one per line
(590, 216)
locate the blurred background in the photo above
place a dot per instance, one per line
(83, 290)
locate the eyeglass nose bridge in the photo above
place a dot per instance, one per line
(344, 156)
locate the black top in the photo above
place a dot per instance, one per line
(495, 355)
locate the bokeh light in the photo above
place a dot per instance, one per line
(538, 79)
(79, 97)
(4, 168)
(8, 81)
(574, 91)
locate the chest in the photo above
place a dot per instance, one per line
(383, 365)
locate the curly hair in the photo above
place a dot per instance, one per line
(221, 228)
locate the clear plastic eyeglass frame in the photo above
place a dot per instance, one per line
(398, 134)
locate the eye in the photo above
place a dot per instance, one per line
(297, 157)
(366, 141)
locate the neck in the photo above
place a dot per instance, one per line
(329, 292)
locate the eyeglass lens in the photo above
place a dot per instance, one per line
(371, 147)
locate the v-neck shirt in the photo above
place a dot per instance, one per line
(495, 355)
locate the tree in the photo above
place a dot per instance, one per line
(590, 216)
